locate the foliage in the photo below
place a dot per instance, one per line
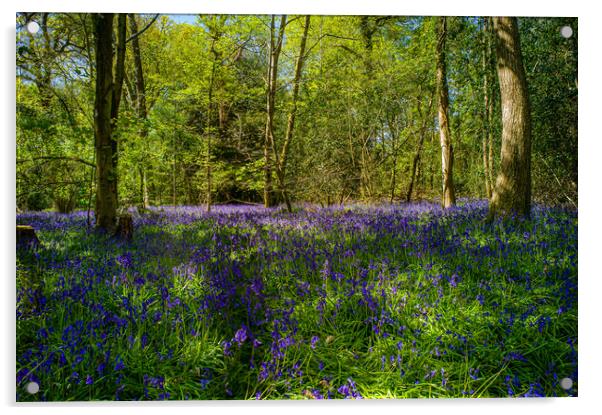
(345, 297)
(363, 98)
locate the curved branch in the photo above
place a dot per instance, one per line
(144, 29)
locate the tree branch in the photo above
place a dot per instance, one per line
(144, 29)
(62, 158)
(348, 49)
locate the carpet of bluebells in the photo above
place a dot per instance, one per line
(392, 301)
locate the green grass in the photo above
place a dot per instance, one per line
(408, 306)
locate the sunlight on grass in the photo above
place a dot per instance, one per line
(371, 302)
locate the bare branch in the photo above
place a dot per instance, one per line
(348, 49)
(144, 29)
(57, 158)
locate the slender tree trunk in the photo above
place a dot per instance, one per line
(290, 126)
(117, 90)
(420, 175)
(174, 198)
(432, 165)
(491, 103)
(275, 48)
(143, 187)
(365, 190)
(512, 193)
(423, 128)
(119, 65)
(189, 195)
(106, 175)
(367, 28)
(208, 173)
(486, 106)
(43, 77)
(140, 100)
(447, 153)
(393, 178)
(208, 123)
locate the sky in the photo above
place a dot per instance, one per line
(183, 18)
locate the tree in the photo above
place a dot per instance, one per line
(487, 110)
(215, 32)
(272, 81)
(117, 87)
(422, 134)
(290, 125)
(512, 193)
(139, 90)
(51, 114)
(550, 62)
(106, 174)
(251, 109)
(447, 153)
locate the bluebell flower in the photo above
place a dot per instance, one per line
(481, 299)
(515, 356)
(535, 391)
(240, 336)
(227, 345)
(119, 364)
(344, 390)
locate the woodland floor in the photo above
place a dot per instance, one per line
(389, 301)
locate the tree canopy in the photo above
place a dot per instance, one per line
(363, 104)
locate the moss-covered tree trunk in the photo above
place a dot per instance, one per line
(447, 153)
(512, 193)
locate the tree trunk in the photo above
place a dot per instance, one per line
(275, 47)
(367, 31)
(512, 193)
(174, 198)
(290, 126)
(208, 123)
(125, 227)
(368, 28)
(486, 107)
(143, 187)
(208, 174)
(423, 128)
(117, 89)
(433, 138)
(106, 174)
(393, 179)
(189, 195)
(490, 139)
(26, 237)
(447, 153)
(140, 102)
